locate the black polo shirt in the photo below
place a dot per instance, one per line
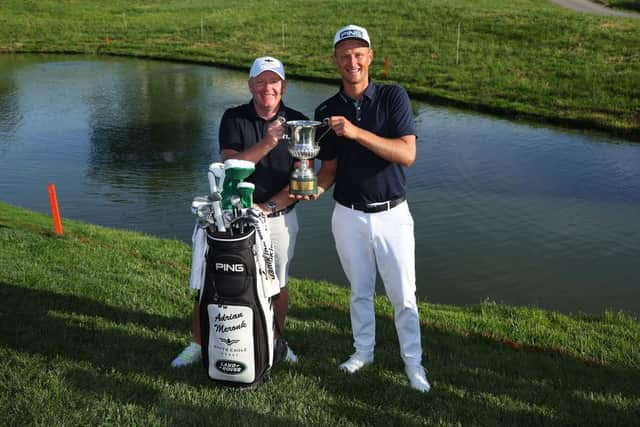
(241, 128)
(362, 176)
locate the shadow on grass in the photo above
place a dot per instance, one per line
(123, 364)
(69, 326)
(474, 380)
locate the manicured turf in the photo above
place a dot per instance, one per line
(524, 58)
(91, 319)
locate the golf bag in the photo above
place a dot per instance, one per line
(236, 315)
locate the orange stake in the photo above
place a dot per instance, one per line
(55, 212)
(386, 68)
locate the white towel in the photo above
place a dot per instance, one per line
(199, 249)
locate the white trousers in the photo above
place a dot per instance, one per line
(384, 240)
(283, 231)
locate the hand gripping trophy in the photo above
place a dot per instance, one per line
(302, 144)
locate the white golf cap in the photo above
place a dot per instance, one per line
(351, 32)
(266, 63)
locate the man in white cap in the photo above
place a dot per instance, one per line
(373, 141)
(252, 132)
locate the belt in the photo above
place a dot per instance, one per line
(376, 207)
(282, 211)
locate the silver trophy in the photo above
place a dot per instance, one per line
(303, 145)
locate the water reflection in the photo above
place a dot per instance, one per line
(10, 115)
(502, 210)
(149, 121)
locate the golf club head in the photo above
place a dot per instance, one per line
(202, 207)
(236, 201)
(198, 203)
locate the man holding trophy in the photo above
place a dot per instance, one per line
(253, 132)
(372, 140)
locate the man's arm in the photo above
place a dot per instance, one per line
(326, 176)
(256, 152)
(281, 200)
(400, 150)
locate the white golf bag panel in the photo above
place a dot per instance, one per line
(231, 343)
(236, 316)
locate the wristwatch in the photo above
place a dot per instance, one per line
(272, 206)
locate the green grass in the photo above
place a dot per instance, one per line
(90, 320)
(525, 59)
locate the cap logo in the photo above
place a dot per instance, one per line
(351, 33)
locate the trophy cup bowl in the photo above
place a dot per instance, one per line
(303, 145)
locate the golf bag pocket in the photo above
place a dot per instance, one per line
(231, 343)
(231, 264)
(232, 272)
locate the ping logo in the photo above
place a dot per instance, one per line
(234, 268)
(230, 367)
(351, 33)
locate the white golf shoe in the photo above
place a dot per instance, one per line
(291, 356)
(356, 361)
(417, 378)
(191, 354)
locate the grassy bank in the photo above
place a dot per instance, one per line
(525, 58)
(90, 321)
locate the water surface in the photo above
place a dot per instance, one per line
(504, 211)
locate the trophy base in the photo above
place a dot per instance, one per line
(303, 186)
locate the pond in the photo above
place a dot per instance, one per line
(504, 211)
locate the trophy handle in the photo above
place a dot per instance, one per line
(325, 122)
(285, 135)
